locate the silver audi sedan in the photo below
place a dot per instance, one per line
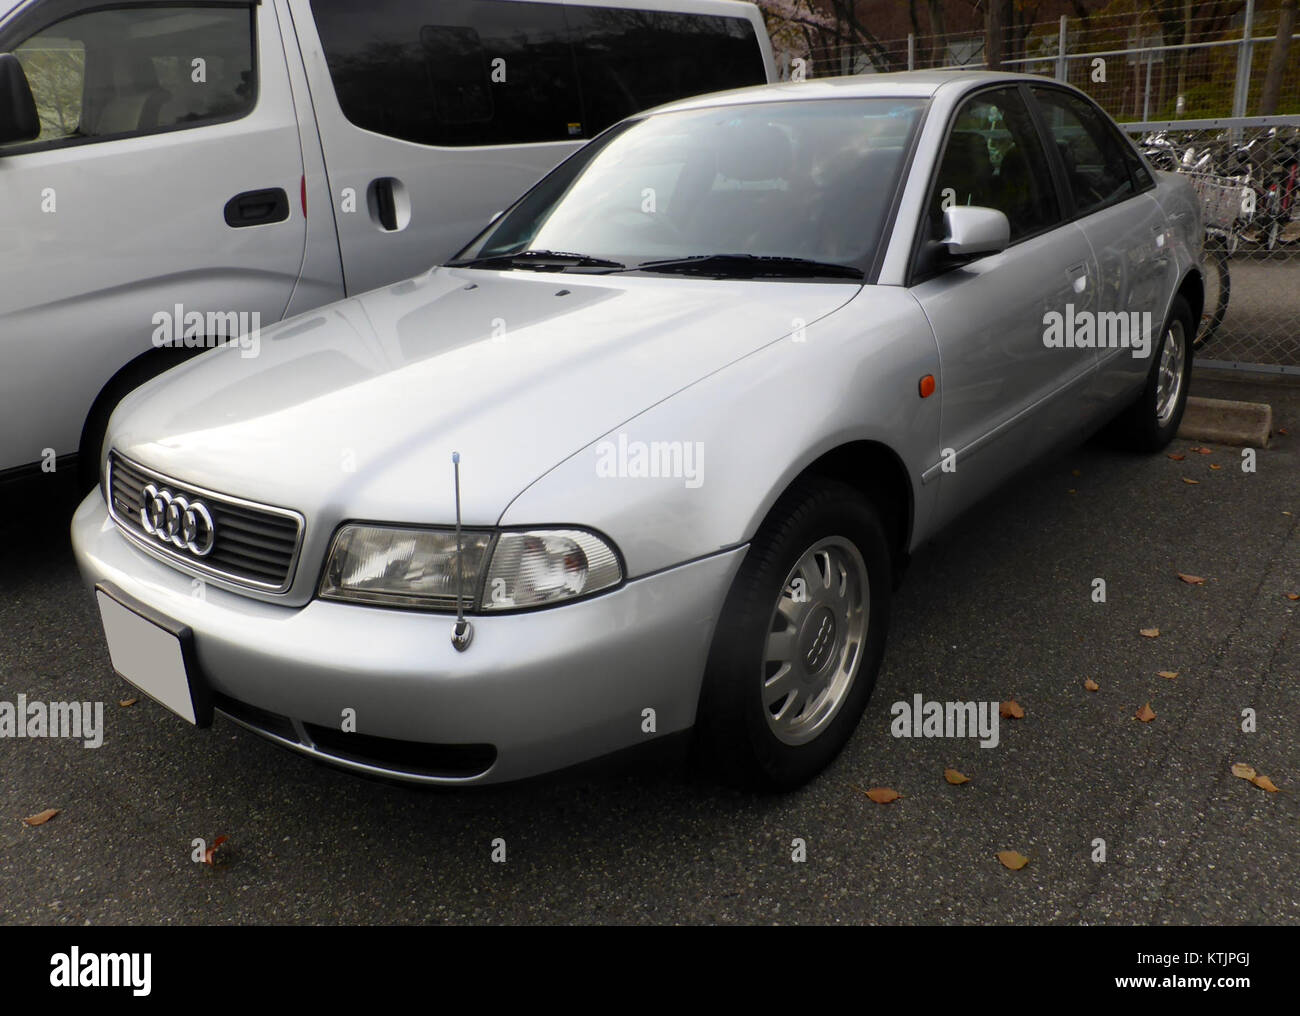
(651, 453)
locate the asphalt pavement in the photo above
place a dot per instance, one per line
(1000, 607)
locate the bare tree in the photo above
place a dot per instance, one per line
(995, 12)
(1277, 59)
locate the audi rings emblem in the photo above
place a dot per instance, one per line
(171, 518)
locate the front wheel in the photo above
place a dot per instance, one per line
(800, 640)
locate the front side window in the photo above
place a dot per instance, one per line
(131, 71)
(993, 158)
(809, 179)
(1093, 152)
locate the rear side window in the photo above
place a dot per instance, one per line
(1095, 155)
(132, 71)
(494, 72)
(630, 60)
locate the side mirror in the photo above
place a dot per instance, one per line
(18, 119)
(971, 230)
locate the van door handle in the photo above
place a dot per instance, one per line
(256, 208)
(382, 200)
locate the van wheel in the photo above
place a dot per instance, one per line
(800, 640)
(123, 383)
(1152, 420)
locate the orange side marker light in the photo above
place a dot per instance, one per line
(926, 386)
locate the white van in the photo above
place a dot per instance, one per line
(176, 173)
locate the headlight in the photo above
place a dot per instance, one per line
(546, 566)
(417, 568)
(404, 567)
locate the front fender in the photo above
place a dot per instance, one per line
(698, 472)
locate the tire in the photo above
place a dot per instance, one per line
(769, 725)
(124, 382)
(1218, 287)
(1151, 422)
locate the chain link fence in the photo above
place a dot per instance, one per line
(1247, 174)
(1184, 93)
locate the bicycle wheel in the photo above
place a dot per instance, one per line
(1217, 289)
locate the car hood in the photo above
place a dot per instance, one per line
(354, 410)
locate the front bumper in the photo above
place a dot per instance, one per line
(545, 689)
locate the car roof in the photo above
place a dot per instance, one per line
(894, 85)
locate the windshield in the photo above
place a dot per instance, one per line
(806, 181)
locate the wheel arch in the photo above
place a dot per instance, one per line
(130, 376)
(877, 472)
(1192, 289)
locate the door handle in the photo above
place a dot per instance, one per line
(382, 198)
(256, 208)
(1078, 276)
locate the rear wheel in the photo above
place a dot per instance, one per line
(800, 641)
(1152, 420)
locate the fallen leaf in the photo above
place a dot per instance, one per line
(1215, 465)
(127, 702)
(1264, 783)
(1072, 491)
(1150, 633)
(954, 777)
(1286, 513)
(1011, 710)
(882, 795)
(1281, 430)
(40, 818)
(1191, 481)
(1243, 771)
(210, 853)
(1013, 860)
(1146, 714)
(1178, 458)
(1170, 674)
(1204, 451)
(1293, 596)
(1091, 685)
(1192, 580)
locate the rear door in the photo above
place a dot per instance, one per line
(1114, 204)
(1008, 395)
(115, 228)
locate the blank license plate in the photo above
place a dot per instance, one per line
(151, 656)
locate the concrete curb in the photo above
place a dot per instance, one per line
(1222, 421)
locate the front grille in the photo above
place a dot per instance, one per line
(254, 545)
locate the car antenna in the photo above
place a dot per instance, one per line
(463, 632)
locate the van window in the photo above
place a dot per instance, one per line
(131, 71)
(630, 60)
(456, 72)
(497, 72)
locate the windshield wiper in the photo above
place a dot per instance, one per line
(751, 265)
(541, 260)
